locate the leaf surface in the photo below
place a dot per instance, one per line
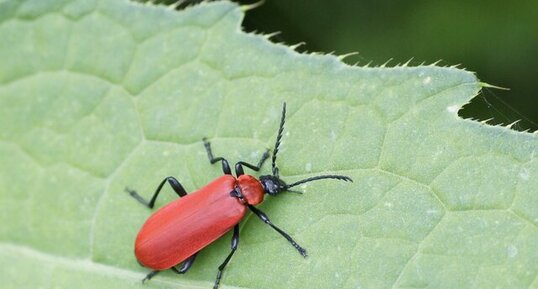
(99, 95)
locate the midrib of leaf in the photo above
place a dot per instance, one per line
(89, 266)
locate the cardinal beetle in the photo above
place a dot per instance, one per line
(178, 231)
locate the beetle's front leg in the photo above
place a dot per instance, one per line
(266, 220)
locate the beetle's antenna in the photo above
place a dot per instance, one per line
(338, 177)
(293, 191)
(278, 138)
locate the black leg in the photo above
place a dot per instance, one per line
(186, 265)
(225, 166)
(174, 183)
(184, 268)
(239, 166)
(235, 241)
(266, 220)
(149, 276)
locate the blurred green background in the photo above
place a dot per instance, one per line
(496, 39)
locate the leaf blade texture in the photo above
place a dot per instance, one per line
(99, 95)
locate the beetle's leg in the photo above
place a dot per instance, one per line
(235, 242)
(149, 276)
(239, 166)
(186, 265)
(225, 166)
(174, 183)
(184, 268)
(266, 220)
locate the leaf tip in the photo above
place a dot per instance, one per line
(175, 5)
(405, 64)
(295, 46)
(487, 85)
(435, 63)
(343, 56)
(271, 35)
(511, 125)
(248, 7)
(386, 63)
(485, 121)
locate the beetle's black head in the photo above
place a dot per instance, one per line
(272, 184)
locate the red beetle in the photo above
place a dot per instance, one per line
(178, 231)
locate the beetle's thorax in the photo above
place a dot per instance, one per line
(251, 189)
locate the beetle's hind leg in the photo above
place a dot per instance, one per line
(150, 275)
(225, 165)
(174, 183)
(235, 242)
(185, 266)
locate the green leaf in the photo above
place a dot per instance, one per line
(99, 95)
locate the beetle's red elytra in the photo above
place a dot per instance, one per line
(175, 233)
